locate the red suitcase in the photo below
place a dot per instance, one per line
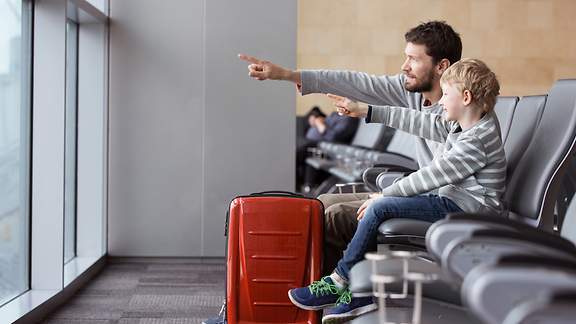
(274, 245)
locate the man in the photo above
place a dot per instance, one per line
(431, 48)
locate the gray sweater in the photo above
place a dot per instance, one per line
(471, 170)
(374, 90)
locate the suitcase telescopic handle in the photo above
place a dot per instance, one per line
(276, 192)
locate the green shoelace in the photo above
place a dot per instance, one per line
(345, 297)
(321, 288)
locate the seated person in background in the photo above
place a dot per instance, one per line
(315, 114)
(469, 174)
(334, 128)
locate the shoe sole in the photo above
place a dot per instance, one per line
(312, 308)
(345, 317)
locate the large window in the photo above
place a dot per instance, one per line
(71, 140)
(15, 61)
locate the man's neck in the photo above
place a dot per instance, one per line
(433, 96)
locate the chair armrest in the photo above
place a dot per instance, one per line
(486, 246)
(489, 218)
(393, 167)
(554, 306)
(522, 260)
(538, 237)
(388, 178)
(371, 175)
(492, 291)
(459, 225)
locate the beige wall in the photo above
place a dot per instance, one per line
(528, 43)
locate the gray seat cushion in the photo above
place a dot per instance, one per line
(400, 226)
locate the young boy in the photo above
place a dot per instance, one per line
(469, 173)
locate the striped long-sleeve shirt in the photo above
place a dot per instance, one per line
(470, 170)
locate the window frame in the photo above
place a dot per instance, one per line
(74, 235)
(49, 278)
(26, 92)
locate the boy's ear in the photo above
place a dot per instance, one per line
(466, 97)
(442, 66)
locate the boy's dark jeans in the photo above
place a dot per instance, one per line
(428, 208)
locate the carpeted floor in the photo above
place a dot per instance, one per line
(147, 291)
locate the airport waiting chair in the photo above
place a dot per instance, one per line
(400, 154)
(346, 163)
(532, 281)
(527, 287)
(368, 136)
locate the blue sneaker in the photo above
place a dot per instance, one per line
(320, 294)
(348, 308)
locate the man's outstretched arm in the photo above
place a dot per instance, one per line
(265, 70)
(358, 86)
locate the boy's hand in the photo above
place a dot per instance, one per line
(264, 70)
(347, 107)
(376, 195)
(373, 197)
(362, 210)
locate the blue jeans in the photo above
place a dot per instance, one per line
(428, 208)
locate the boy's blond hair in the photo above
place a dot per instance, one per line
(475, 76)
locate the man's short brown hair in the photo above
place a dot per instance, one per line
(475, 76)
(440, 39)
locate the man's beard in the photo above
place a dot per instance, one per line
(424, 86)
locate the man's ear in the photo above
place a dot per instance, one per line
(442, 66)
(466, 97)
